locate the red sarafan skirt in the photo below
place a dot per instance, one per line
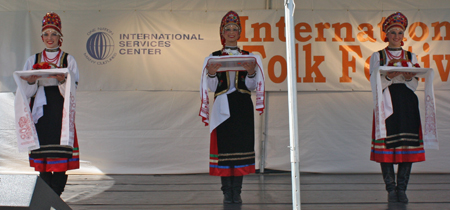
(51, 156)
(404, 140)
(232, 151)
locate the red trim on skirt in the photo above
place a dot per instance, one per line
(232, 171)
(216, 170)
(395, 155)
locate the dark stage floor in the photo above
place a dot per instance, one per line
(260, 191)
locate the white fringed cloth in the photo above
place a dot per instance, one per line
(383, 104)
(27, 138)
(222, 111)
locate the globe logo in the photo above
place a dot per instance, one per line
(100, 45)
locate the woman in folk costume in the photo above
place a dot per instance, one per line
(52, 159)
(403, 144)
(232, 117)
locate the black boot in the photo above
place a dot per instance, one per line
(387, 170)
(226, 188)
(237, 186)
(59, 181)
(47, 177)
(404, 170)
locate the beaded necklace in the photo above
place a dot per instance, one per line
(391, 57)
(52, 60)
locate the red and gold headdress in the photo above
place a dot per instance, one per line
(398, 20)
(230, 18)
(51, 20)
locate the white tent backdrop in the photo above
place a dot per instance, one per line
(138, 103)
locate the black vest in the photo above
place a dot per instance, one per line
(383, 57)
(63, 62)
(224, 83)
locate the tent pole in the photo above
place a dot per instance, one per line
(268, 4)
(263, 136)
(292, 99)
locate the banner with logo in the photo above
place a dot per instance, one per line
(164, 50)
